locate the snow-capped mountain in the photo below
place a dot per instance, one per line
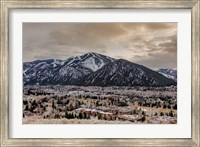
(169, 73)
(40, 71)
(125, 73)
(91, 60)
(91, 69)
(68, 71)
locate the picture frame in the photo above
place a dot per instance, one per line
(6, 6)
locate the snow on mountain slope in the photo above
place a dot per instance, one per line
(125, 73)
(92, 69)
(40, 70)
(63, 71)
(169, 73)
(91, 61)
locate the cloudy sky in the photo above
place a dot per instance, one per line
(151, 44)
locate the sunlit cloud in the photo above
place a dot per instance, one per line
(151, 44)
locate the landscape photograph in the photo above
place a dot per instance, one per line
(99, 73)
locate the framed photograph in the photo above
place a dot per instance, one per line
(100, 73)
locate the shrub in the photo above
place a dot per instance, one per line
(80, 116)
(175, 107)
(143, 113)
(143, 119)
(66, 115)
(171, 114)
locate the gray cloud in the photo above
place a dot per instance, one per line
(156, 61)
(151, 44)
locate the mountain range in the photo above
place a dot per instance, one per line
(93, 69)
(169, 73)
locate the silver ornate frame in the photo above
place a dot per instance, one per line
(6, 5)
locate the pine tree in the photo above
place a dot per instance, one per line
(171, 114)
(84, 115)
(99, 116)
(143, 119)
(134, 111)
(53, 105)
(143, 113)
(72, 116)
(175, 107)
(66, 115)
(80, 116)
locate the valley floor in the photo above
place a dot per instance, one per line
(99, 105)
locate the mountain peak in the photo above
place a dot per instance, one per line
(169, 73)
(91, 69)
(94, 61)
(91, 53)
(125, 73)
(69, 71)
